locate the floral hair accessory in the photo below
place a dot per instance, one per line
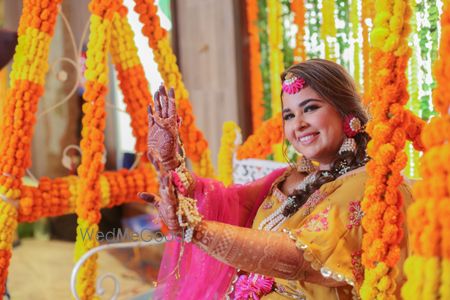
(352, 125)
(293, 84)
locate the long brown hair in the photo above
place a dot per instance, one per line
(332, 82)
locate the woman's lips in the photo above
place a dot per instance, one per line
(308, 139)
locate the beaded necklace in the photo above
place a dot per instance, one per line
(276, 219)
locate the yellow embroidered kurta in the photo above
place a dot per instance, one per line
(328, 229)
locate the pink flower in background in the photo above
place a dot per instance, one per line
(252, 286)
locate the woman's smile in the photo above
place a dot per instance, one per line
(313, 126)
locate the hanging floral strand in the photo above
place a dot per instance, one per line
(265, 65)
(194, 141)
(425, 60)
(343, 32)
(328, 29)
(413, 104)
(88, 203)
(366, 10)
(428, 269)
(288, 33)
(382, 203)
(355, 40)
(231, 133)
(298, 9)
(314, 46)
(274, 17)
(30, 65)
(132, 80)
(256, 81)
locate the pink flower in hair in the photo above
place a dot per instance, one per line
(293, 84)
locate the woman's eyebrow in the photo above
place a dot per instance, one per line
(302, 104)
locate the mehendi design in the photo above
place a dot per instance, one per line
(267, 253)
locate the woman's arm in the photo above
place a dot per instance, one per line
(267, 253)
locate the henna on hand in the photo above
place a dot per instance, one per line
(163, 137)
(166, 204)
(266, 253)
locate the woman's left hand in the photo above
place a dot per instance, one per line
(166, 204)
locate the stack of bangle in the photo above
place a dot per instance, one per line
(188, 216)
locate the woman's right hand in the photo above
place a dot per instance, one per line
(166, 204)
(163, 133)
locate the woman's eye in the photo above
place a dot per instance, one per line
(311, 108)
(288, 116)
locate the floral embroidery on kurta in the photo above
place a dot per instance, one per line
(312, 201)
(318, 222)
(358, 269)
(355, 214)
(268, 203)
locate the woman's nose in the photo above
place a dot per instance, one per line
(301, 124)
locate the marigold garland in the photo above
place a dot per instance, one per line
(298, 8)
(195, 143)
(428, 216)
(230, 133)
(259, 144)
(56, 197)
(275, 28)
(382, 201)
(256, 83)
(132, 78)
(88, 203)
(27, 77)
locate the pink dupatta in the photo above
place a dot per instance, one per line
(202, 276)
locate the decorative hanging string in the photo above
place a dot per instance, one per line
(314, 46)
(428, 269)
(256, 81)
(412, 170)
(30, 65)
(287, 18)
(425, 59)
(343, 32)
(355, 11)
(265, 60)
(366, 17)
(382, 203)
(298, 9)
(275, 29)
(328, 29)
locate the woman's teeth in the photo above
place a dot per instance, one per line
(308, 138)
